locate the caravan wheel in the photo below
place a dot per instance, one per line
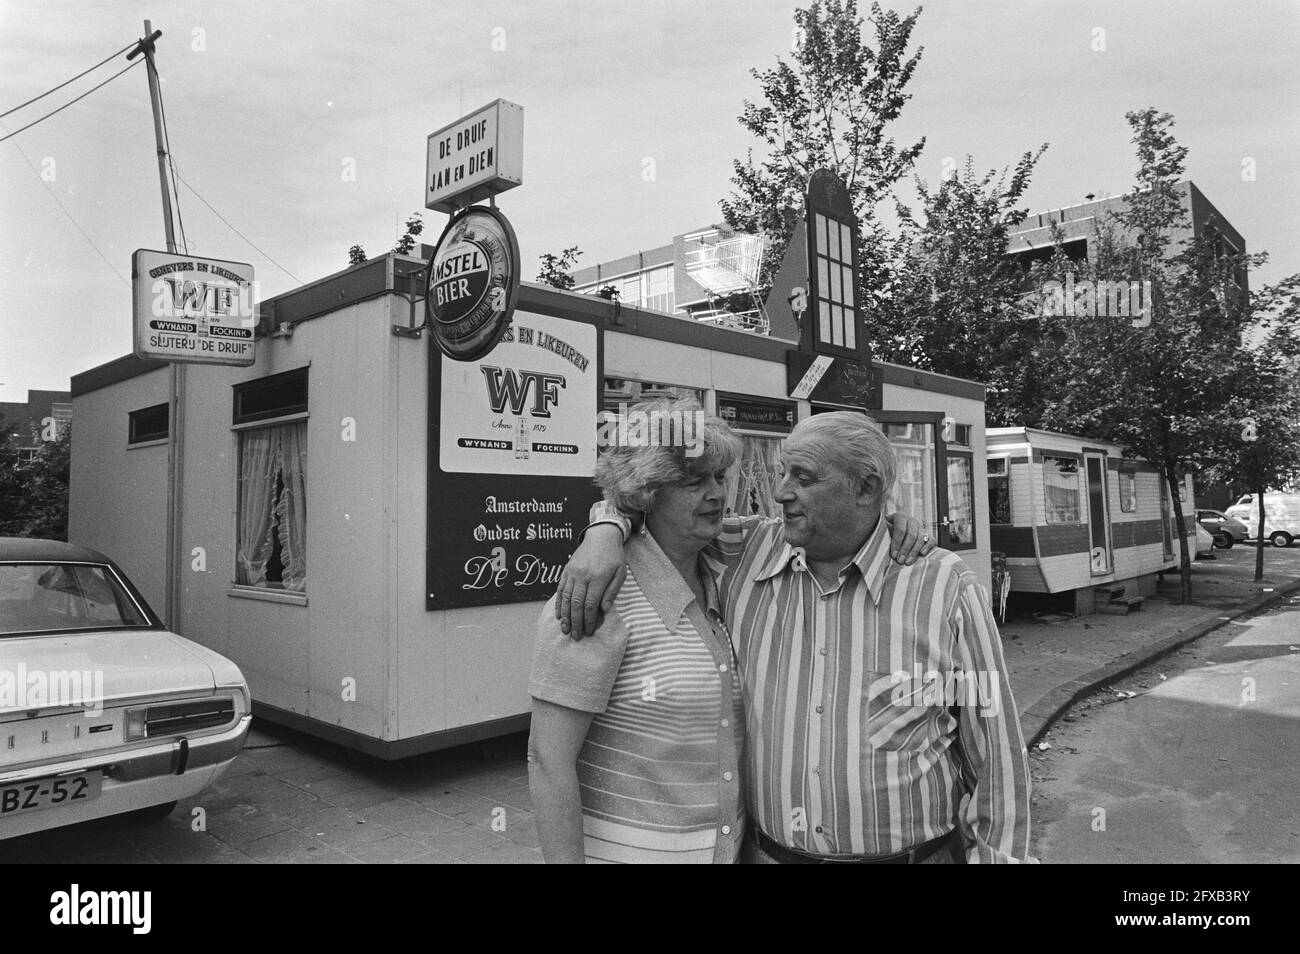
(1280, 539)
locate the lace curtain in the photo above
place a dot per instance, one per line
(271, 456)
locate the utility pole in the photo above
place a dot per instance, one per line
(175, 403)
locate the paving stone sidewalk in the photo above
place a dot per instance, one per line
(293, 799)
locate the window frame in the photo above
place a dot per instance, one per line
(950, 543)
(1005, 476)
(1078, 491)
(134, 438)
(1128, 473)
(239, 390)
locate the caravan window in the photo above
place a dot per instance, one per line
(1128, 489)
(1061, 490)
(999, 491)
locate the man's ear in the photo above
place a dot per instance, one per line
(869, 489)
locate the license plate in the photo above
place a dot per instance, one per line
(49, 792)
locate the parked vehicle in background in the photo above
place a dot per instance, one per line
(1225, 530)
(102, 709)
(1204, 542)
(1281, 517)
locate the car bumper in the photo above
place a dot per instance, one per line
(153, 775)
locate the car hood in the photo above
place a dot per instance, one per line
(121, 664)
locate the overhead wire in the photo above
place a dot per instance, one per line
(54, 195)
(65, 83)
(70, 102)
(236, 231)
(175, 173)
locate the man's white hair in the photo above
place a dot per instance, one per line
(854, 443)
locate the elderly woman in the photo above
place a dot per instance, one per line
(637, 731)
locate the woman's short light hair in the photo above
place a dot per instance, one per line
(678, 442)
(855, 444)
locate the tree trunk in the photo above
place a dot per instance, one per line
(1185, 569)
(1259, 552)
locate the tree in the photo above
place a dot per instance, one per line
(46, 485)
(1258, 446)
(1156, 382)
(12, 494)
(829, 107)
(405, 245)
(414, 226)
(958, 304)
(557, 269)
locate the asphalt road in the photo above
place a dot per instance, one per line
(1202, 765)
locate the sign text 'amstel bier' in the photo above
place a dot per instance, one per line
(191, 309)
(477, 156)
(473, 283)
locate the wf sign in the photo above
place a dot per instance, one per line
(194, 310)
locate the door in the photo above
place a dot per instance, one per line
(1099, 545)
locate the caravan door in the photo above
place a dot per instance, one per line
(1100, 557)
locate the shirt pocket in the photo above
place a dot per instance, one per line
(896, 720)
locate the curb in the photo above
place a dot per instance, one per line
(1042, 715)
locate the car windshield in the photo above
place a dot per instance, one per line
(51, 597)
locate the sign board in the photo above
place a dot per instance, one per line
(844, 382)
(512, 449)
(756, 414)
(477, 156)
(473, 283)
(194, 310)
(812, 377)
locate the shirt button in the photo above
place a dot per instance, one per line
(722, 667)
(819, 708)
(819, 829)
(726, 829)
(823, 652)
(726, 722)
(726, 776)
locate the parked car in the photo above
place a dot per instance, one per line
(1225, 530)
(1281, 517)
(102, 709)
(1204, 542)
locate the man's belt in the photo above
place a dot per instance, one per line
(913, 856)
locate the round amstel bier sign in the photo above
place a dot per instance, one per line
(473, 283)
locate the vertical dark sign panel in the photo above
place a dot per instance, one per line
(512, 445)
(834, 313)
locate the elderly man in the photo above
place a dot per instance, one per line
(880, 726)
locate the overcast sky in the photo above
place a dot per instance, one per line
(267, 104)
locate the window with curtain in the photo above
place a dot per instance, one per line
(271, 544)
(961, 501)
(1061, 490)
(752, 480)
(915, 490)
(1127, 489)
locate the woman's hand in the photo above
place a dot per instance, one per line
(908, 538)
(590, 581)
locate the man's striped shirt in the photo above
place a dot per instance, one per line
(879, 715)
